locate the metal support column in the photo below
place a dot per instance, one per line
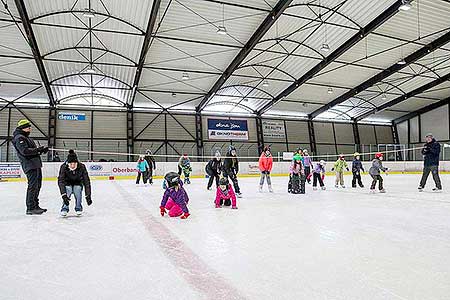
(9, 138)
(91, 155)
(130, 133)
(312, 137)
(51, 132)
(199, 135)
(357, 136)
(396, 139)
(259, 134)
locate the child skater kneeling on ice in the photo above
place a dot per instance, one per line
(175, 198)
(375, 172)
(225, 194)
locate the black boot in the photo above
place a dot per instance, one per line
(35, 212)
(43, 209)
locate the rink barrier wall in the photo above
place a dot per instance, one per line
(127, 170)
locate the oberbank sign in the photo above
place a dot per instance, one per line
(219, 129)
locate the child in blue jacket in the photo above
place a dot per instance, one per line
(142, 167)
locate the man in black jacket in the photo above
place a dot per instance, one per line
(73, 177)
(231, 168)
(151, 165)
(30, 159)
(213, 169)
(431, 151)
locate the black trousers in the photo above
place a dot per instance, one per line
(34, 178)
(150, 175)
(144, 177)
(357, 178)
(317, 177)
(233, 179)
(307, 172)
(435, 172)
(374, 182)
(213, 176)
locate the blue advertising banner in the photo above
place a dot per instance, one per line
(227, 129)
(9, 170)
(71, 116)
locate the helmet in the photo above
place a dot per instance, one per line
(341, 156)
(297, 157)
(378, 155)
(305, 151)
(148, 152)
(322, 162)
(266, 148)
(217, 154)
(172, 179)
(231, 148)
(356, 154)
(224, 181)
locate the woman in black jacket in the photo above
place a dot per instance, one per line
(231, 168)
(73, 177)
(213, 169)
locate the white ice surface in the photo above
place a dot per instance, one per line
(334, 244)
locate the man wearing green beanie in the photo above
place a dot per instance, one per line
(30, 159)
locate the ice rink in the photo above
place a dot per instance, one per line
(334, 244)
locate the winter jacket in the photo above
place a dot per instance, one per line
(142, 166)
(180, 197)
(184, 162)
(27, 151)
(230, 164)
(213, 167)
(225, 195)
(377, 165)
(79, 176)
(151, 162)
(340, 165)
(265, 163)
(319, 169)
(357, 166)
(431, 152)
(296, 169)
(307, 161)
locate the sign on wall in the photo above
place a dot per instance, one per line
(273, 129)
(9, 170)
(227, 129)
(71, 116)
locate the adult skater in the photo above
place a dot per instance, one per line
(339, 167)
(73, 178)
(184, 167)
(225, 194)
(213, 169)
(231, 168)
(175, 198)
(307, 163)
(357, 167)
(151, 165)
(265, 166)
(318, 175)
(142, 167)
(375, 172)
(431, 151)
(30, 159)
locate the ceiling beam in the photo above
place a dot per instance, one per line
(422, 111)
(361, 34)
(145, 47)
(406, 96)
(34, 49)
(245, 51)
(439, 42)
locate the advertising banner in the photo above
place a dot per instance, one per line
(9, 170)
(71, 116)
(227, 129)
(273, 129)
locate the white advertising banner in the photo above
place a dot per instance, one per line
(273, 129)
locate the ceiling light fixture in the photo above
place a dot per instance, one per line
(89, 13)
(265, 83)
(185, 76)
(384, 97)
(90, 69)
(406, 5)
(221, 29)
(402, 62)
(330, 90)
(325, 47)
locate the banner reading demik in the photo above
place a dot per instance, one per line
(227, 129)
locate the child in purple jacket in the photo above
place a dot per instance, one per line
(175, 198)
(307, 163)
(318, 173)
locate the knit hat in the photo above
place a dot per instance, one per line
(24, 123)
(72, 157)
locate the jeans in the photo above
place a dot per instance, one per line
(307, 172)
(76, 190)
(265, 175)
(317, 177)
(374, 182)
(357, 178)
(435, 172)
(213, 176)
(34, 178)
(340, 178)
(144, 177)
(233, 179)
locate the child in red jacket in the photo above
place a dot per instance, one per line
(225, 194)
(265, 166)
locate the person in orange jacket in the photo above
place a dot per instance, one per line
(265, 166)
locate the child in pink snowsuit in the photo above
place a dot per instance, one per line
(225, 194)
(175, 198)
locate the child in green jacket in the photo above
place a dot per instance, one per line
(339, 167)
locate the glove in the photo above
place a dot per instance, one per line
(65, 199)
(185, 216)
(347, 169)
(323, 177)
(42, 149)
(88, 200)
(162, 210)
(332, 169)
(234, 207)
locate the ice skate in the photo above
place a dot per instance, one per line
(382, 191)
(239, 195)
(35, 212)
(343, 186)
(260, 188)
(336, 186)
(437, 189)
(79, 213)
(323, 188)
(270, 189)
(361, 186)
(372, 191)
(63, 213)
(314, 189)
(420, 188)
